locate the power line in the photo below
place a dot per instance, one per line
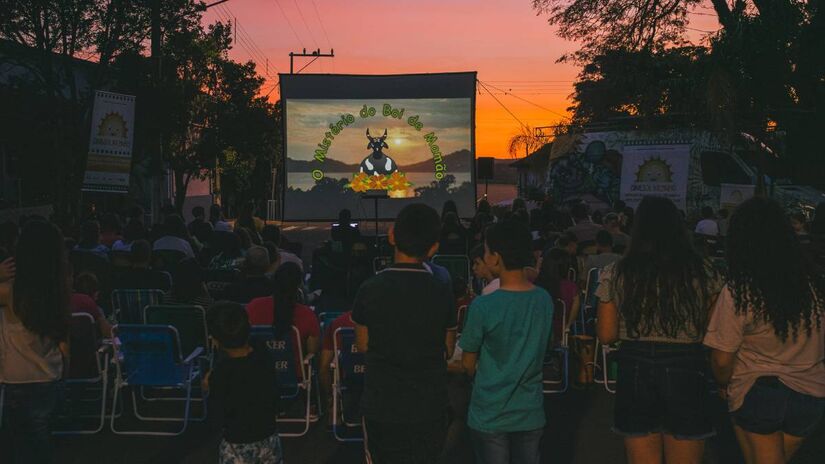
(243, 31)
(526, 101)
(321, 22)
(289, 23)
(301, 14)
(502, 105)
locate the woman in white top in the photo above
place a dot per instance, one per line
(34, 329)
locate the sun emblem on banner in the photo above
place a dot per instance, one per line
(654, 169)
(112, 125)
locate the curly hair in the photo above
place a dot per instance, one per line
(768, 272)
(663, 281)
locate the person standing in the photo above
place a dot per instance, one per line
(405, 322)
(767, 336)
(657, 301)
(503, 343)
(34, 331)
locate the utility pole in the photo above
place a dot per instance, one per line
(315, 54)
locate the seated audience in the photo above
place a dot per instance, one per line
(110, 229)
(243, 402)
(274, 258)
(34, 334)
(89, 241)
(254, 282)
(219, 224)
(134, 230)
(344, 232)
(272, 233)
(328, 353)
(612, 224)
(282, 309)
(723, 222)
(503, 343)
(140, 274)
(199, 228)
(553, 277)
(453, 239)
(707, 225)
(766, 331)
(228, 246)
(84, 301)
(175, 237)
(584, 229)
(604, 253)
(188, 287)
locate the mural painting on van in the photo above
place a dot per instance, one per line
(597, 172)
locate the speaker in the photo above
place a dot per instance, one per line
(485, 168)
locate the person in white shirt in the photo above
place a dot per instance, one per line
(175, 237)
(708, 224)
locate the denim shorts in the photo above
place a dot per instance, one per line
(663, 388)
(771, 406)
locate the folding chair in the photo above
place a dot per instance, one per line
(587, 314)
(348, 367)
(460, 316)
(456, 265)
(87, 368)
(562, 350)
(128, 303)
(150, 356)
(293, 370)
(603, 364)
(326, 318)
(190, 323)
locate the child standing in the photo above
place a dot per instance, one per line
(504, 342)
(243, 391)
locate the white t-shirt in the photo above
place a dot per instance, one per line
(170, 242)
(707, 227)
(494, 285)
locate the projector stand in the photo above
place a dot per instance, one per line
(376, 195)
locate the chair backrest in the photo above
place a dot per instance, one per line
(188, 320)
(166, 260)
(456, 265)
(590, 288)
(84, 342)
(285, 350)
(148, 354)
(326, 318)
(461, 316)
(128, 303)
(351, 363)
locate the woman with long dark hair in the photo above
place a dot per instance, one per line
(34, 329)
(767, 334)
(282, 310)
(657, 300)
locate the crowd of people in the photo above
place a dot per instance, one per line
(735, 301)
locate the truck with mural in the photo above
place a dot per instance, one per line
(692, 167)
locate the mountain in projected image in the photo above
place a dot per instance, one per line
(457, 161)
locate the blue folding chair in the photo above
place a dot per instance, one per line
(560, 350)
(456, 265)
(603, 366)
(150, 356)
(587, 314)
(128, 303)
(87, 372)
(349, 367)
(294, 377)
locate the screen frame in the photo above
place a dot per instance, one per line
(375, 86)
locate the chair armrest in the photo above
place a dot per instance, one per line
(193, 355)
(309, 358)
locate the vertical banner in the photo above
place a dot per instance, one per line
(110, 144)
(655, 170)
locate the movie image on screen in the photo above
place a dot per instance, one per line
(415, 149)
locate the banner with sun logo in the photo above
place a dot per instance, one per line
(110, 143)
(657, 170)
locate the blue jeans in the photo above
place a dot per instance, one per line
(28, 407)
(507, 447)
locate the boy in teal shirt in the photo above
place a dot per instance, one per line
(504, 341)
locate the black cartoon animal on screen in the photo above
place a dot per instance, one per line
(378, 162)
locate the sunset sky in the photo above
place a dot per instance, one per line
(511, 48)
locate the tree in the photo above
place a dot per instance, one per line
(526, 139)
